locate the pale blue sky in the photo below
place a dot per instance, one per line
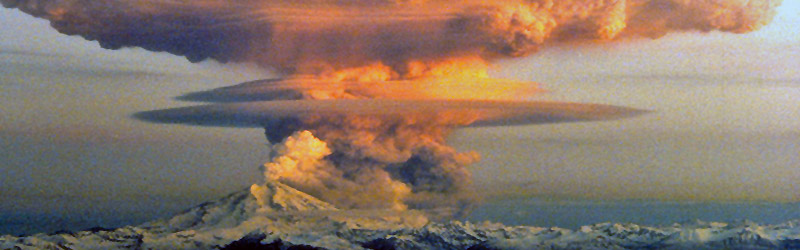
(726, 123)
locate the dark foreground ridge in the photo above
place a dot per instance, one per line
(293, 220)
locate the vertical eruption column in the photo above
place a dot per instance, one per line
(359, 161)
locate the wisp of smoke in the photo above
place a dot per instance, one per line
(390, 154)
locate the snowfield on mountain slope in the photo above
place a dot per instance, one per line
(287, 218)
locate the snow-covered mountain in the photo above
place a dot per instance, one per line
(284, 218)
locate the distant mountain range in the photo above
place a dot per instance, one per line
(290, 219)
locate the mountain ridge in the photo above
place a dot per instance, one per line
(278, 216)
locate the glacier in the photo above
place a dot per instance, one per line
(290, 219)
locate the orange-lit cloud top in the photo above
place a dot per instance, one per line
(323, 36)
(464, 79)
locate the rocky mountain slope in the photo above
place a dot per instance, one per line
(290, 219)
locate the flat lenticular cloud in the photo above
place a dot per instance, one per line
(452, 113)
(411, 72)
(314, 88)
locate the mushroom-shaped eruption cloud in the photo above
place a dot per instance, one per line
(371, 88)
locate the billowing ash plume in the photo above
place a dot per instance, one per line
(363, 152)
(392, 172)
(375, 162)
(314, 36)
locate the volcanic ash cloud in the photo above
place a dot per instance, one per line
(410, 71)
(316, 36)
(377, 153)
(375, 163)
